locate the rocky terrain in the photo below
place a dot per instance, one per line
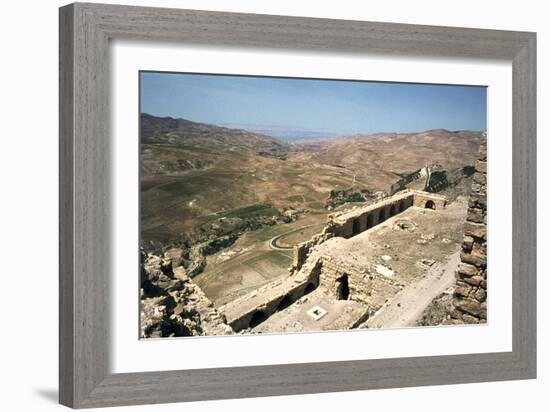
(171, 305)
(437, 313)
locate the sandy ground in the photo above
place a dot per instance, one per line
(406, 308)
(341, 315)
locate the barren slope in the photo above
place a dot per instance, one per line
(192, 173)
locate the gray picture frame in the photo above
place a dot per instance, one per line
(85, 31)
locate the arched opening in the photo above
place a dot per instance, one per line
(257, 318)
(356, 227)
(402, 206)
(285, 303)
(382, 216)
(342, 288)
(369, 221)
(393, 210)
(309, 288)
(430, 205)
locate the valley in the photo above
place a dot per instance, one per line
(227, 206)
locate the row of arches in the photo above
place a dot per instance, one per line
(261, 316)
(378, 216)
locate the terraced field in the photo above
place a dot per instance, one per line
(251, 262)
(233, 185)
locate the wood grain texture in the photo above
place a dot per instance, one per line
(66, 229)
(85, 31)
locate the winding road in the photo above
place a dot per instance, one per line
(273, 242)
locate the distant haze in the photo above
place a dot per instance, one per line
(284, 133)
(293, 109)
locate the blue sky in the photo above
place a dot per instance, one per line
(317, 105)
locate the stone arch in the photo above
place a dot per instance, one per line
(285, 302)
(309, 288)
(370, 220)
(394, 209)
(342, 287)
(258, 317)
(381, 215)
(356, 227)
(430, 205)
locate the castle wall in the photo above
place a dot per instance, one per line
(370, 289)
(300, 252)
(356, 221)
(339, 279)
(421, 200)
(470, 296)
(352, 223)
(266, 300)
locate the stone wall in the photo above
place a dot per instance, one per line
(266, 300)
(470, 296)
(301, 251)
(366, 287)
(422, 175)
(349, 224)
(425, 200)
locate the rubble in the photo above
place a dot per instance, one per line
(172, 305)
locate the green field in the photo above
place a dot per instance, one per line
(237, 276)
(300, 235)
(256, 210)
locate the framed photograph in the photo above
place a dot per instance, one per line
(257, 205)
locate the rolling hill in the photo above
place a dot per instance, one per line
(194, 174)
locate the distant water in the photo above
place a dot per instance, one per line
(289, 135)
(292, 137)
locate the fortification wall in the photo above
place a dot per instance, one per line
(349, 224)
(301, 251)
(340, 280)
(368, 288)
(356, 221)
(423, 199)
(470, 296)
(264, 302)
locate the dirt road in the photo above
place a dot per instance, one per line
(273, 242)
(406, 308)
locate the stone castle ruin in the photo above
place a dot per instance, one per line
(350, 274)
(363, 285)
(358, 220)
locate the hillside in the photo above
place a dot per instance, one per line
(170, 144)
(381, 159)
(198, 177)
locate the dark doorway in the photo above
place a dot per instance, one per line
(356, 227)
(430, 205)
(285, 303)
(369, 221)
(382, 216)
(401, 206)
(309, 288)
(257, 318)
(393, 210)
(342, 288)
